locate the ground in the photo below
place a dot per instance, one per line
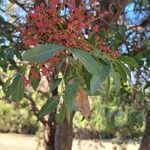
(29, 142)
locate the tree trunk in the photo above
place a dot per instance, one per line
(58, 137)
(64, 135)
(49, 133)
(145, 143)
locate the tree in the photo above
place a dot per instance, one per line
(62, 48)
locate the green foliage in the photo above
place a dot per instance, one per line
(42, 52)
(97, 80)
(129, 61)
(109, 111)
(60, 116)
(122, 72)
(55, 83)
(18, 120)
(70, 95)
(35, 79)
(16, 89)
(49, 106)
(116, 77)
(88, 61)
(113, 115)
(95, 83)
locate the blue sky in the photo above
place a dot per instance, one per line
(135, 17)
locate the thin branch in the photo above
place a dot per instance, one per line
(35, 109)
(1, 83)
(2, 10)
(115, 9)
(122, 5)
(19, 4)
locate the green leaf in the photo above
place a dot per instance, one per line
(143, 54)
(95, 83)
(17, 88)
(87, 77)
(107, 89)
(126, 69)
(88, 61)
(61, 115)
(49, 106)
(120, 70)
(97, 80)
(70, 95)
(116, 77)
(35, 80)
(129, 61)
(55, 83)
(42, 52)
(96, 53)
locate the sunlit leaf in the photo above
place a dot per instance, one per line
(49, 106)
(42, 52)
(17, 88)
(126, 69)
(88, 61)
(129, 61)
(60, 116)
(69, 96)
(97, 80)
(116, 77)
(34, 77)
(120, 70)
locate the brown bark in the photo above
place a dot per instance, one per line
(145, 143)
(50, 128)
(64, 135)
(114, 8)
(49, 133)
(58, 137)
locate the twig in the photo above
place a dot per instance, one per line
(19, 4)
(35, 109)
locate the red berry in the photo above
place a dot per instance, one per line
(44, 71)
(25, 81)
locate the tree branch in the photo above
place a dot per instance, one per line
(114, 8)
(34, 108)
(19, 4)
(121, 5)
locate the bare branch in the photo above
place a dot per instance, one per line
(34, 108)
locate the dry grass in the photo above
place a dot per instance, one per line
(27, 142)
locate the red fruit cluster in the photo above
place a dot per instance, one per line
(45, 71)
(106, 49)
(46, 25)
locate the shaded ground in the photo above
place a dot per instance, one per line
(27, 142)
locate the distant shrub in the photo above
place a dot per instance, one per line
(110, 120)
(17, 119)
